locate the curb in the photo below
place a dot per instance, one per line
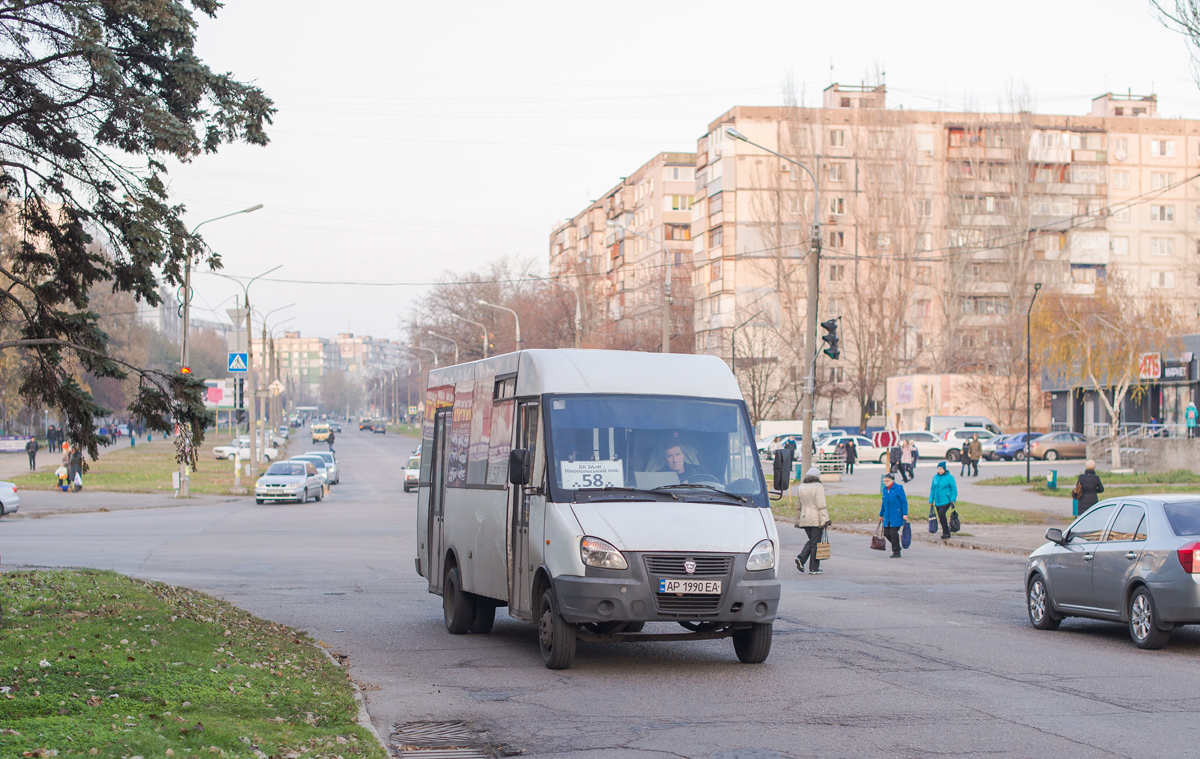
(364, 719)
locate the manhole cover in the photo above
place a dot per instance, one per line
(439, 740)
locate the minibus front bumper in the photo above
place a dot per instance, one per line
(635, 594)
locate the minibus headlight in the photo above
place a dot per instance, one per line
(762, 556)
(599, 553)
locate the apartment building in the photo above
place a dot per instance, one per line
(630, 252)
(933, 226)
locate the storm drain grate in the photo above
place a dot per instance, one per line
(438, 740)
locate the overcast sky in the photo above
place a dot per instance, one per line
(417, 138)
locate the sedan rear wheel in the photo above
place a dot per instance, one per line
(1051, 455)
(1144, 621)
(1019, 455)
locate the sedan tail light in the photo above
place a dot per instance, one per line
(1189, 558)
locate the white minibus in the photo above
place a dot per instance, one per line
(592, 492)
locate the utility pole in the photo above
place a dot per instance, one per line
(808, 400)
(252, 386)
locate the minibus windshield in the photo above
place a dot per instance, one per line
(692, 448)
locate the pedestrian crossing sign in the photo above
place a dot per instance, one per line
(238, 362)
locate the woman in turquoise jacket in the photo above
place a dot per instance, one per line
(942, 495)
(893, 512)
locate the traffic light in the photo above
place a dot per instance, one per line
(831, 338)
(239, 416)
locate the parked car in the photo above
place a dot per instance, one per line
(316, 461)
(330, 459)
(242, 446)
(939, 423)
(956, 436)
(412, 473)
(928, 444)
(866, 449)
(10, 502)
(1134, 560)
(289, 481)
(1058, 445)
(1012, 448)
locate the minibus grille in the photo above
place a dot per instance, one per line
(668, 603)
(671, 565)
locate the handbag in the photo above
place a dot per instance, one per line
(955, 525)
(823, 545)
(906, 535)
(1077, 491)
(877, 543)
(933, 522)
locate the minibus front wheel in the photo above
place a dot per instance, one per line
(556, 636)
(753, 645)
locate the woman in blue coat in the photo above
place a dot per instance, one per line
(893, 512)
(942, 495)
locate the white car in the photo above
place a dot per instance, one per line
(930, 445)
(242, 445)
(9, 500)
(331, 465)
(412, 473)
(866, 449)
(957, 436)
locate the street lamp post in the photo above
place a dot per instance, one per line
(1028, 374)
(431, 333)
(520, 344)
(184, 474)
(266, 401)
(578, 310)
(477, 324)
(666, 293)
(814, 272)
(423, 348)
(252, 421)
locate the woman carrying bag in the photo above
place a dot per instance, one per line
(893, 512)
(1088, 487)
(813, 516)
(942, 495)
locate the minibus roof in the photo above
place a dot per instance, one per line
(570, 371)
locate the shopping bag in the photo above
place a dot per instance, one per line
(955, 525)
(906, 535)
(933, 521)
(877, 543)
(823, 545)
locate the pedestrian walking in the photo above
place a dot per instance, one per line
(893, 512)
(31, 448)
(906, 461)
(330, 440)
(851, 455)
(1191, 415)
(943, 493)
(1088, 487)
(66, 456)
(975, 453)
(964, 458)
(813, 517)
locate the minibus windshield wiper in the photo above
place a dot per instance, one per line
(612, 492)
(710, 488)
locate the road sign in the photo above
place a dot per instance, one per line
(276, 387)
(412, 410)
(238, 362)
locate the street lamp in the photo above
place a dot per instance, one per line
(423, 348)
(814, 272)
(578, 310)
(431, 333)
(482, 302)
(270, 419)
(477, 324)
(666, 293)
(1028, 373)
(252, 420)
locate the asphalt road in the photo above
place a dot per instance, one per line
(929, 655)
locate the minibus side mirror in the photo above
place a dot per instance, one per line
(519, 465)
(782, 469)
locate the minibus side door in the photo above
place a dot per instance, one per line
(437, 497)
(523, 501)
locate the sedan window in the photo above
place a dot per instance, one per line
(1129, 524)
(1184, 517)
(1089, 528)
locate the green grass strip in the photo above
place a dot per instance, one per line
(865, 508)
(1173, 477)
(95, 664)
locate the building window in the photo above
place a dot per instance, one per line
(1162, 246)
(1162, 213)
(714, 271)
(925, 241)
(1161, 179)
(837, 239)
(715, 237)
(925, 142)
(836, 374)
(1120, 246)
(1162, 279)
(1087, 172)
(837, 172)
(681, 202)
(924, 307)
(679, 232)
(837, 206)
(1121, 180)
(883, 240)
(678, 258)
(925, 207)
(837, 272)
(1162, 148)
(837, 138)
(924, 175)
(1121, 214)
(716, 203)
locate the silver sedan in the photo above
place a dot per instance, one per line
(289, 481)
(1134, 560)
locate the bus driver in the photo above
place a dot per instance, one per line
(677, 463)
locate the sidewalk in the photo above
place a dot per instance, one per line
(1001, 538)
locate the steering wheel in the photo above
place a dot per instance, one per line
(699, 478)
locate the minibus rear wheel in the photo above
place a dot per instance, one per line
(556, 636)
(485, 616)
(753, 645)
(458, 606)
